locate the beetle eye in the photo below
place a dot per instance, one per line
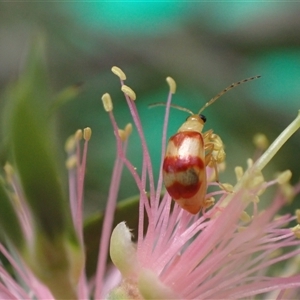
(203, 118)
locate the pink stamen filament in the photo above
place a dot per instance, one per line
(147, 166)
(22, 210)
(73, 195)
(81, 174)
(107, 226)
(108, 219)
(40, 291)
(163, 150)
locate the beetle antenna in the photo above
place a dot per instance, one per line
(173, 106)
(233, 85)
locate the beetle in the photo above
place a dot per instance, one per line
(188, 153)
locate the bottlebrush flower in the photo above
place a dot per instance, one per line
(224, 253)
(221, 253)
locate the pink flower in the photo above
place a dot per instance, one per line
(46, 269)
(224, 253)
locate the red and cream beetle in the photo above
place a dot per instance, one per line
(188, 154)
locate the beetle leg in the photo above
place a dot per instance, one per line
(209, 202)
(214, 147)
(207, 134)
(215, 154)
(209, 148)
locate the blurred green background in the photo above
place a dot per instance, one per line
(203, 46)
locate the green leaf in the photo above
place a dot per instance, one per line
(9, 223)
(30, 141)
(127, 210)
(56, 256)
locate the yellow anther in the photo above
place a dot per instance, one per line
(71, 162)
(125, 133)
(296, 231)
(117, 71)
(78, 135)
(284, 177)
(251, 198)
(245, 217)
(172, 84)
(249, 163)
(128, 91)
(288, 192)
(261, 141)
(241, 228)
(297, 212)
(87, 133)
(227, 187)
(239, 172)
(256, 199)
(70, 144)
(256, 182)
(9, 170)
(122, 135)
(128, 129)
(107, 102)
(222, 167)
(261, 191)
